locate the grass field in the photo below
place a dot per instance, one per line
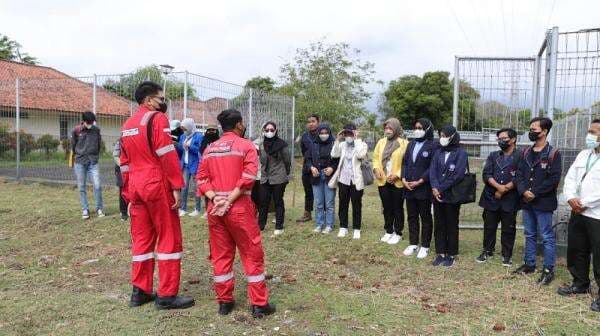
(50, 282)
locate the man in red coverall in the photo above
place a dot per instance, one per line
(152, 182)
(226, 176)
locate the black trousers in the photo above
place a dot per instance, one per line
(309, 199)
(392, 199)
(415, 210)
(508, 231)
(446, 228)
(349, 194)
(274, 191)
(583, 240)
(122, 203)
(255, 194)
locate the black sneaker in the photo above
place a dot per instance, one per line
(124, 217)
(595, 305)
(524, 269)
(226, 307)
(546, 277)
(173, 302)
(139, 297)
(449, 261)
(439, 259)
(483, 257)
(506, 261)
(262, 311)
(572, 290)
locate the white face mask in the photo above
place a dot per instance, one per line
(88, 126)
(349, 140)
(269, 135)
(419, 133)
(323, 137)
(591, 141)
(444, 142)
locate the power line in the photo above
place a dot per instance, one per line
(460, 26)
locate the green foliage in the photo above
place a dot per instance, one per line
(4, 139)
(48, 144)
(27, 142)
(10, 51)
(126, 85)
(329, 80)
(411, 97)
(265, 84)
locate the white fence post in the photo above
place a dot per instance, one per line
(250, 117)
(185, 95)
(94, 93)
(455, 99)
(18, 128)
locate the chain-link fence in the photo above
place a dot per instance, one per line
(40, 108)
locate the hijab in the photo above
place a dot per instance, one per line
(427, 127)
(209, 138)
(392, 143)
(452, 133)
(274, 144)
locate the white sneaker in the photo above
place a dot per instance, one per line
(386, 237)
(410, 250)
(327, 230)
(423, 252)
(194, 213)
(274, 221)
(394, 239)
(205, 215)
(317, 230)
(182, 213)
(100, 213)
(343, 232)
(85, 214)
(277, 232)
(356, 234)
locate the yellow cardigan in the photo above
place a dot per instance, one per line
(397, 157)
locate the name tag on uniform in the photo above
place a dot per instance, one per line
(130, 132)
(452, 167)
(544, 164)
(513, 172)
(425, 154)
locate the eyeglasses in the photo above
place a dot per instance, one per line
(269, 130)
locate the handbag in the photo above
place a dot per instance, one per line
(366, 169)
(463, 192)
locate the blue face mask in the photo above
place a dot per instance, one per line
(591, 141)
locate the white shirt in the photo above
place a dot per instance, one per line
(578, 184)
(446, 156)
(187, 141)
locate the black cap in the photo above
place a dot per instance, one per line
(350, 127)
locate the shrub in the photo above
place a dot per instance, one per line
(48, 144)
(4, 139)
(26, 140)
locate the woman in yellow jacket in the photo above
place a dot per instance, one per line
(387, 167)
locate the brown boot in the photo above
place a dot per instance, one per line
(306, 218)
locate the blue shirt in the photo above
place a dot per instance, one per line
(417, 149)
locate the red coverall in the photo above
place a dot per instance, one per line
(228, 163)
(150, 169)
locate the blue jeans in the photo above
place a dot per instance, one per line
(535, 221)
(188, 177)
(82, 171)
(324, 204)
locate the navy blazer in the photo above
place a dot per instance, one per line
(419, 169)
(444, 175)
(503, 172)
(319, 156)
(541, 177)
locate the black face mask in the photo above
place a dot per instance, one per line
(533, 136)
(162, 107)
(503, 144)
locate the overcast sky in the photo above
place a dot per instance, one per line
(236, 40)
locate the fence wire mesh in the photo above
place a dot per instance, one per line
(46, 110)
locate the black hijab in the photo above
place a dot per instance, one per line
(427, 127)
(450, 131)
(208, 139)
(274, 144)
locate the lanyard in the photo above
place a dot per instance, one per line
(589, 167)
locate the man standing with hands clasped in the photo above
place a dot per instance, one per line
(226, 176)
(583, 195)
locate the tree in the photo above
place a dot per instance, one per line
(411, 97)
(48, 144)
(329, 80)
(266, 84)
(126, 85)
(10, 50)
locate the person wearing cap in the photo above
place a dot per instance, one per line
(448, 168)
(348, 178)
(226, 176)
(176, 131)
(189, 147)
(275, 165)
(417, 190)
(387, 168)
